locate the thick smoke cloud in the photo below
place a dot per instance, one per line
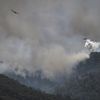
(46, 35)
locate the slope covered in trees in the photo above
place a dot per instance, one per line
(85, 81)
(12, 90)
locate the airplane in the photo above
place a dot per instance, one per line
(15, 12)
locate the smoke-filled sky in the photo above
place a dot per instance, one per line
(46, 35)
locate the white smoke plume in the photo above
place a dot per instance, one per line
(92, 46)
(46, 35)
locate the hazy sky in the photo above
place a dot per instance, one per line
(46, 35)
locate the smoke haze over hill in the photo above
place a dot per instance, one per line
(46, 35)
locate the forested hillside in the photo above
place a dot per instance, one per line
(12, 90)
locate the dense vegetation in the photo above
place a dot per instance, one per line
(85, 81)
(84, 84)
(12, 90)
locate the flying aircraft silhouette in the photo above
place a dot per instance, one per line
(15, 12)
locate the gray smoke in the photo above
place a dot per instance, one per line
(46, 35)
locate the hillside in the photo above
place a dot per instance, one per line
(85, 81)
(84, 84)
(12, 90)
(34, 81)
